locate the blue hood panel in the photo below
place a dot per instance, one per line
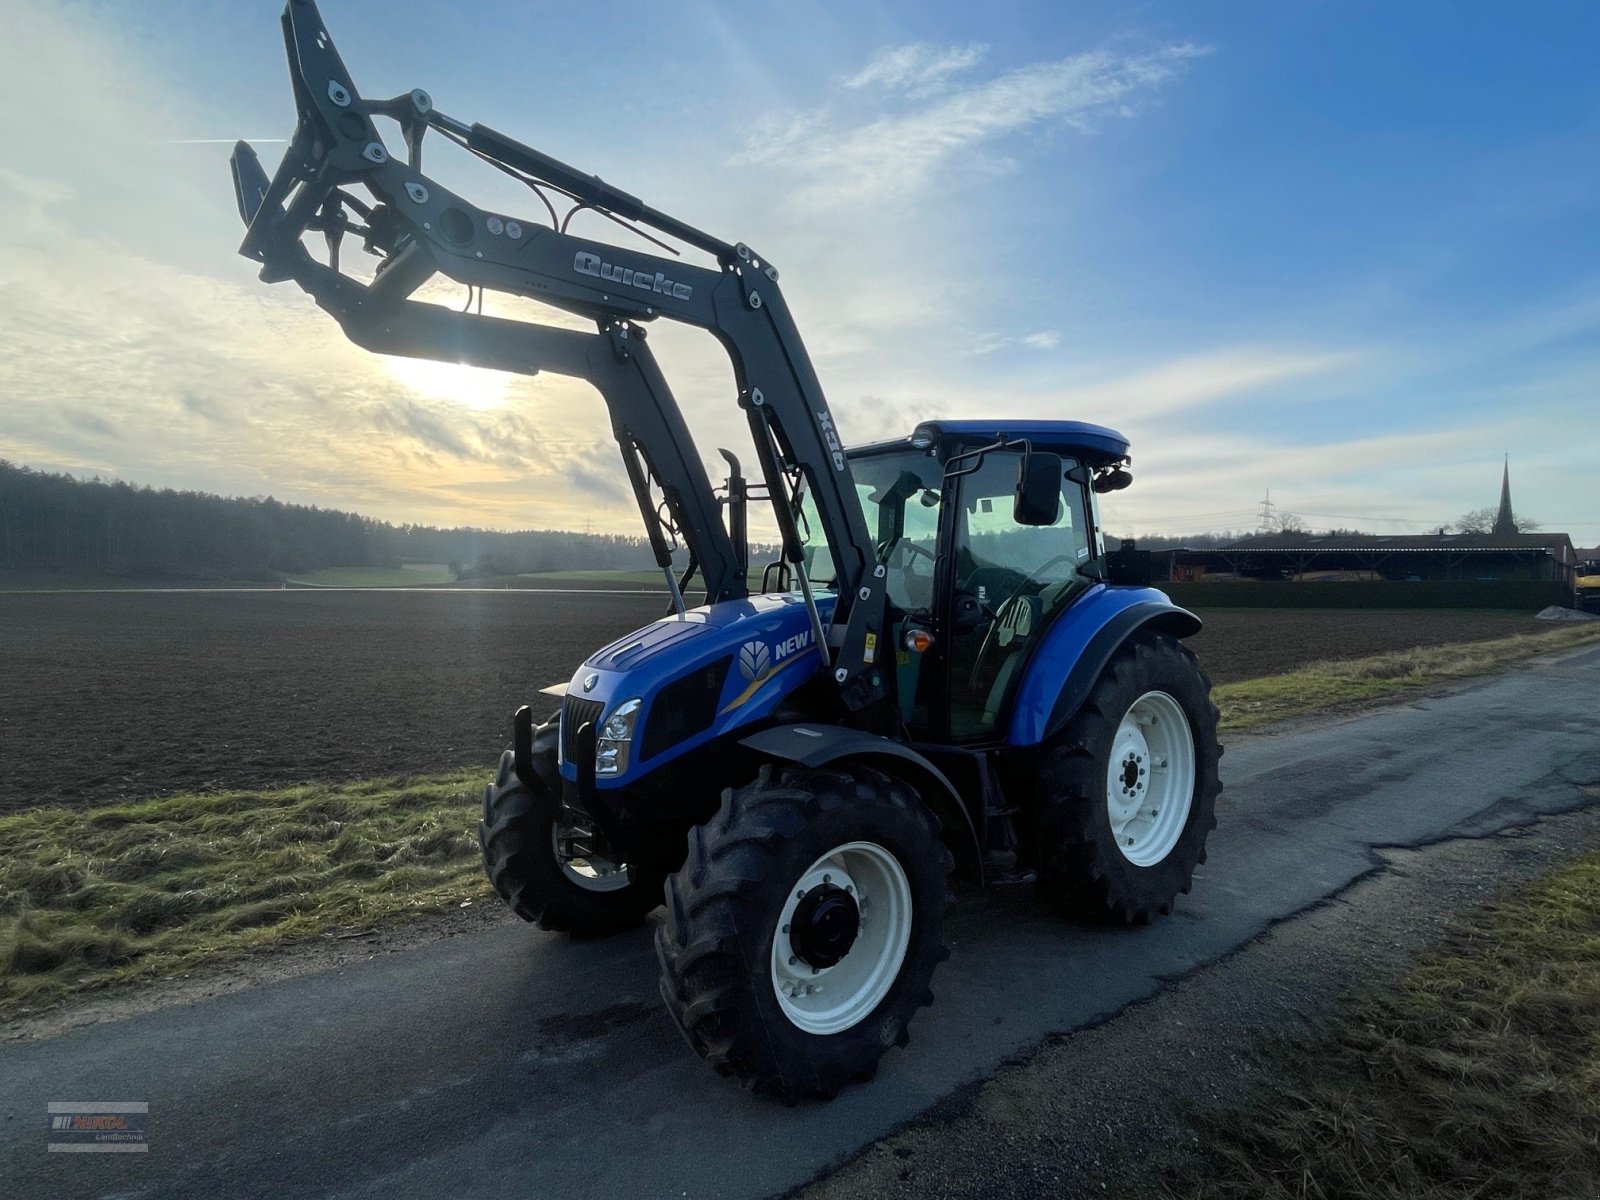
(768, 640)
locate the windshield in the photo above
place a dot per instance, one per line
(899, 494)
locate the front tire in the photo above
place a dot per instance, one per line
(520, 836)
(1127, 791)
(804, 927)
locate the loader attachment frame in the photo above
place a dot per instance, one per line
(420, 228)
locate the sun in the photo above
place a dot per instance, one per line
(471, 387)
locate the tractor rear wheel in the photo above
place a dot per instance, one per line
(1127, 790)
(536, 865)
(804, 927)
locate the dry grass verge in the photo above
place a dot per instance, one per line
(1253, 702)
(156, 887)
(1477, 1076)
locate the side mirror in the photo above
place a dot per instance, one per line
(1038, 500)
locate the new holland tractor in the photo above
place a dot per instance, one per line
(943, 671)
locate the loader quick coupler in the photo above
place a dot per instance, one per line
(585, 797)
(824, 926)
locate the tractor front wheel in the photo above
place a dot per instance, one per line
(546, 867)
(1127, 790)
(804, 927)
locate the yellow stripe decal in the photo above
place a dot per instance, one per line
(755, 684)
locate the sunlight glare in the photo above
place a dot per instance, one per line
(470, 387)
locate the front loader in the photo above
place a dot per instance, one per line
(944, 670)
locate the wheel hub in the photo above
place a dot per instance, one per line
(1150, 778)
(824, 926)
(1132, 771)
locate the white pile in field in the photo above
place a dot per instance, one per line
(1556, 613)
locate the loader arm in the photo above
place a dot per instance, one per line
(420, 228)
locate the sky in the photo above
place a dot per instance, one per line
(1347, 252)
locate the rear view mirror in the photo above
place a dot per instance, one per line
(1038, 499)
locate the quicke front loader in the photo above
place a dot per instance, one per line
(944, 670)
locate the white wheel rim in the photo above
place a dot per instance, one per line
(591, 874)
(1150, 779)
(832, 999)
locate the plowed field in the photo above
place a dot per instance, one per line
(113, 696)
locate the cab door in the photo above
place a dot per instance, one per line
(1008, 581)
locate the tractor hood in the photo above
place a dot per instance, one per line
(716, 668)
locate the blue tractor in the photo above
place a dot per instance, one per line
(944, 670)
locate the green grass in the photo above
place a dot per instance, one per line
(635, 578)
(409, 575)
(631, 578)
(156, 887)
(1477, 1076)
(1253, 702)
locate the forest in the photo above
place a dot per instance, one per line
(58, 522)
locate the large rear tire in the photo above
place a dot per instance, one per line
(522, 838)
(804, 927)
(1127, 791)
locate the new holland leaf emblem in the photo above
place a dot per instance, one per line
(755, 660)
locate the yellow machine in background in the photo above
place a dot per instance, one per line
(1589, 588)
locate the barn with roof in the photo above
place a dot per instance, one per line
(1451, 556)
(1500, 553)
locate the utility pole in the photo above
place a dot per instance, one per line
(1266, 513)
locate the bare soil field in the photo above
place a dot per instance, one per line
(108, 697)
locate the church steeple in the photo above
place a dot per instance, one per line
(1504, 522)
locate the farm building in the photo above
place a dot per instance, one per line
(1496, 551)
(1446, 556)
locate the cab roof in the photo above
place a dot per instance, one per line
(1094, 444)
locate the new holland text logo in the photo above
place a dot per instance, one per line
(585, 263)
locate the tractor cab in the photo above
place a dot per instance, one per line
(987, 533)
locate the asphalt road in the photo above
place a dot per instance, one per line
(518, 1063)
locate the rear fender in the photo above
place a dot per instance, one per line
(1077, 647)
(829, 745)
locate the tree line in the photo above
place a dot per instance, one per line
(59, 522)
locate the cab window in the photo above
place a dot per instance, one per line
(1020, 577)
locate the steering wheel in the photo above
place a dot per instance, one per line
(912, 549)
(1014, 620)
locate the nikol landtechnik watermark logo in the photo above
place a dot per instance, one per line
(98, 1126)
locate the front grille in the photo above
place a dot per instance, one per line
(575, 714)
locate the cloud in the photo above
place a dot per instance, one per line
(1044, 339)
(918, 69)
(837, 158)
(1196, 380)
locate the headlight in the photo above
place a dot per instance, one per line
(619, 725)
(611, 747)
